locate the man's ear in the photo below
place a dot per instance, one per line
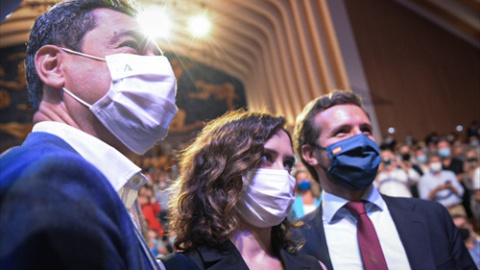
(48, 63)
(308, 155)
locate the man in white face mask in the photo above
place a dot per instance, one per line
(102, 93)
(442, 186)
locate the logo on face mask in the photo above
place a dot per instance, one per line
(127, 68)
(356, 165)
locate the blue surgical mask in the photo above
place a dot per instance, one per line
(444, 152)
(422, 158)
(354, 162)
(304, 185)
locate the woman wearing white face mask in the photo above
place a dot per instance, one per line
(234, 194)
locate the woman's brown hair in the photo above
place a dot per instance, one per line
(202, 211)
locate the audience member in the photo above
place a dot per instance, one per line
(66, 192)
(150, 208)
(391, 179)
(421, 160)
(413, 171)
(307, 195)
(235, 192)
(333, 137)
(442, 186)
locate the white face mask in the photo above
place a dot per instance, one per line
(266, 198)
(436, 166)
(140, 104)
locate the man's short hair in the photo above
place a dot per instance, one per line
(307, 132)
(65, 25)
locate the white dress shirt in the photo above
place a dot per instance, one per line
(341, 232)
(124, 176)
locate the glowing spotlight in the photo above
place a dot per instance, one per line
(155, 23)
(391, 130)
(199, 26)
(459, 128)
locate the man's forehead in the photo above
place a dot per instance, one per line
(341, 114)
(114, 19)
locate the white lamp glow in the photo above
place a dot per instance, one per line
(199, 25)
(155, 22)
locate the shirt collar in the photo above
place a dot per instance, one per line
(117, 168)
(332, 205)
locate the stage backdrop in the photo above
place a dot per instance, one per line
(203, 94)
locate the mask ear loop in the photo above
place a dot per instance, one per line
(316, 146)
(77, 98)
(82, 54)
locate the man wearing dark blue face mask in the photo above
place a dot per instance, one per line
(356, 227)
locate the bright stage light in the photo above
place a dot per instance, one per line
(199, 26)
(155, 22)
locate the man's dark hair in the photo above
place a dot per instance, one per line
(65, 25)
(307, 132)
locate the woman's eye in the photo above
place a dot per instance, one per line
(288, 165)
(266, 158)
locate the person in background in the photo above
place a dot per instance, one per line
(150, 209)
(454, 164)
(421, 160)
(470, 238)
(307, 195)
(234, 194)
(413, 171)
(442, 186)
(472, 181)
(356, 227)
(66, 192)
(392, 180)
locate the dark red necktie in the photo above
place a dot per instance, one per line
(370, 249)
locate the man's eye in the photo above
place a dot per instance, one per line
(132, 44)
(367, 131)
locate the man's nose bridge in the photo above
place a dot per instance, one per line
(150, 48)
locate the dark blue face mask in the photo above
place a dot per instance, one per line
(353, 162)
(304, 185)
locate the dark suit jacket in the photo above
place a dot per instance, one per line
(426, 230)
(57, 211)
(231, 259)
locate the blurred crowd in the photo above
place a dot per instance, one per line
(441, 167)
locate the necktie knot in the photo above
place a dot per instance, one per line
(357, 208)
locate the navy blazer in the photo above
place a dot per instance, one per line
(426, 230)
(57, 211)
(230, 258)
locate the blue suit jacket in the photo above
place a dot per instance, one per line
(426, 230)
(57, 211)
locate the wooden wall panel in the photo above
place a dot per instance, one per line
(421, 77)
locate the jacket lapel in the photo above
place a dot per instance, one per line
(291, 262)
(314, 234)
(413, 232)
(227, 258)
